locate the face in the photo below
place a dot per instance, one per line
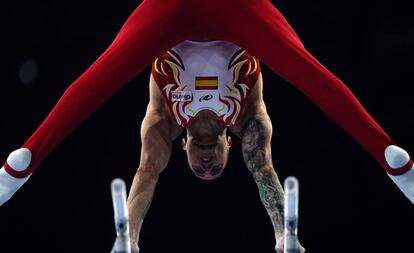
(207, 156)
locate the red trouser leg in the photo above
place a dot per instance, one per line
(157, 25)
(262, 30)
(149, 31)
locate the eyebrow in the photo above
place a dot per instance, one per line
(198, 168)
(210, 166)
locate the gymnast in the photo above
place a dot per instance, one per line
(206, 87)
(206, 72)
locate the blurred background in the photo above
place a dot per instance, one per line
(347, 202)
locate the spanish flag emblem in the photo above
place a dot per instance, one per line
(206, 83)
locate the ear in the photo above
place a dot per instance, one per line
(184, 144)
(229, 141)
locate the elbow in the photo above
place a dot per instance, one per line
(148, 173)
(265, 170)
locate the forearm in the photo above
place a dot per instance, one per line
(256, 150)
(139, 200)
(272, 197)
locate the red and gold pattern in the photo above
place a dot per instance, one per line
(245, 71)
(166, 72)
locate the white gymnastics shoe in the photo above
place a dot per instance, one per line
(18, 160)
(397, 158)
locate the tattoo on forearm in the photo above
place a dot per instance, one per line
(271, 194)
(259, 163)
(253, 145)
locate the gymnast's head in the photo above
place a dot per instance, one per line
(207, 146)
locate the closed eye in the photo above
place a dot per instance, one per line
(198, 170)
(215, 170)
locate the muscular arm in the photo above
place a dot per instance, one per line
(256, 147)
(157, 133)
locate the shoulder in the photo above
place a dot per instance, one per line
(156, 100)
(255, 109)
(157, 105)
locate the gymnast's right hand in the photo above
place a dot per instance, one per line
(13, 174)
(134, 248)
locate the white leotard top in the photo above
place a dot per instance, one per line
(214, 75)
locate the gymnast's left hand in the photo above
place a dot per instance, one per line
(281, 250)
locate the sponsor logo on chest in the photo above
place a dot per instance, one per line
(205, 98)
(181, 96)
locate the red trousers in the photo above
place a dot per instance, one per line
(255, 25)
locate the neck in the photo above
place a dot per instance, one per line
(206, 123)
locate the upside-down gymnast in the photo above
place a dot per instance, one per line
(157, 26)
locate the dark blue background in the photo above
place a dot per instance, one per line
(347, 202)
